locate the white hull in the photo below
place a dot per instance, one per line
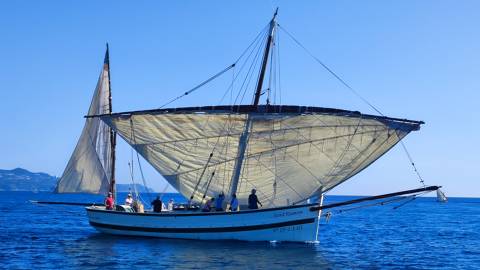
(294, 223)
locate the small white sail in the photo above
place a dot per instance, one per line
(90, 166)
(441, 196)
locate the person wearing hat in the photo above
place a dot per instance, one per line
(253, 201)
(109, 201)
(129, 200)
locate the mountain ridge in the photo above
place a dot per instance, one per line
(20, 179)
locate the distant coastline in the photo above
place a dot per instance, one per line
(20, 179)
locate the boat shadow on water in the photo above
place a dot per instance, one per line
(163, 252)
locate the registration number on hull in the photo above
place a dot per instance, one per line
(289, 228)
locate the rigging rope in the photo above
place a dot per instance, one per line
(208, 185)
(251, 69)
(138, 160)
(201, 175)
(255, 43)
(413, 164)
(355, 93)
(330, 71)
(218, 74)
(200, 85)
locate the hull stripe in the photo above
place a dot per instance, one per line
(204, 230)
(180, 214)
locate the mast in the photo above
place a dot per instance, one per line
(243, 141)
(266, 53)
(113, 136)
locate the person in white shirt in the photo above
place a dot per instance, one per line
(129, 200)
(170, 205)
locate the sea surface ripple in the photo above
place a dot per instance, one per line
(422, 234)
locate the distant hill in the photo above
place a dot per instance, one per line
(23, 180)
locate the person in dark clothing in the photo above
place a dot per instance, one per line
(219, 202)
(253, 201)
(157, 205)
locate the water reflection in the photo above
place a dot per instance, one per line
(128, 252)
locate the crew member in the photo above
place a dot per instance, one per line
(157, 205)
(208, 205)
(219, 202)
(253, 201)
(109, 202)
(170, 205)
(234, 203)
(129, 200)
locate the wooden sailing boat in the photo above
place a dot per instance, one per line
(289, 154)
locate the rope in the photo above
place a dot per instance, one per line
(251, 69)
(130, 166)
(138, 160)
(330, 71)
(404, 203)
(373, 204)
(216, 75)
(201, 175)
(279, 70)
(200, 85)
(355, 93)
(413, 164)
(208, 186)
(230, 88)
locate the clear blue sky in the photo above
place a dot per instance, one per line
(412, 59)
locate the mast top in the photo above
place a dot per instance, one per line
(107, 58)
(268, 44)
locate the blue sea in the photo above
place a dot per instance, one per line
(422, 234)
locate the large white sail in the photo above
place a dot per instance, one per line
(90, 166)
(292, 152)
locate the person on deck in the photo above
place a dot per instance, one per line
(234, 203)
(208, 205)
(129, 200)
(157, 205)
(253, 201)
(219, 202)
(109, 202)
(170, 205)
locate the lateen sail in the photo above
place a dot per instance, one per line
(292, 152)
(90, 166)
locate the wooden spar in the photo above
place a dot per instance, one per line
(113, 137)
(372, 198)
(67, 203)
(266, 53)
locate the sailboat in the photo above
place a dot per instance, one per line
(290, 154)
(441, 196)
